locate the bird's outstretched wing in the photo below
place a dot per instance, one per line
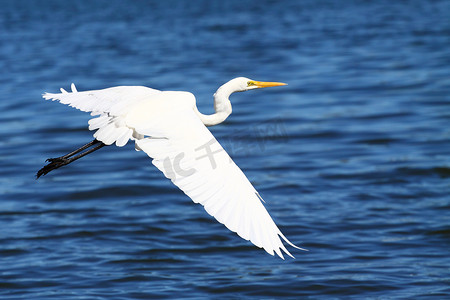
(189, 155)
(166, 127)
(115, 101)
(111, 104)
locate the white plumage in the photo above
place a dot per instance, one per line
(169, 128)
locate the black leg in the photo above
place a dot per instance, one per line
(90, 144)
(55, 163)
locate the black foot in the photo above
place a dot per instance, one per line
(54, 163)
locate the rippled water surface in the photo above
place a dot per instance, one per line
(352, 157)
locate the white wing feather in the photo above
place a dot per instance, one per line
(165, 126)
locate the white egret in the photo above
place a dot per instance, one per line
(169, 128)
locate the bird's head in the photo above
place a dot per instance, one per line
(242, 84)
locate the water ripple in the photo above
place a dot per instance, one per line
(352, 157)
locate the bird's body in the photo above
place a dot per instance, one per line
(169, 128)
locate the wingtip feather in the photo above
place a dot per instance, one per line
(50, 96)
(291, 244)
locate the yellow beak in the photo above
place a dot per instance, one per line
(262, 84)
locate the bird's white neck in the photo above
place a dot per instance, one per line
(222, 106)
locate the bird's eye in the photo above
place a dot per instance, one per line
(250, 83)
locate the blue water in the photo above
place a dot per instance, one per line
(352, 157)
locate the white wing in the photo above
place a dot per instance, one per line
(112, 104)
(169, 131)
(188, 154)
(115, 101)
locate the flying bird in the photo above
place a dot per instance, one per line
(168, 127)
